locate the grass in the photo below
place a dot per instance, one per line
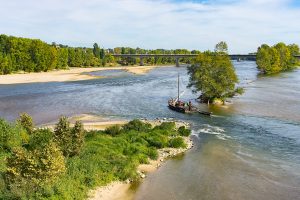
(110, 155)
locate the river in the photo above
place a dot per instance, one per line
(249, 149)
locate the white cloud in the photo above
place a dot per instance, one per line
(243, 24)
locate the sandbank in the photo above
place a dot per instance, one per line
(72, 74)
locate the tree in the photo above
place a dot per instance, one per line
(62, 133)
(26, 122)
(77, 136)
(280, 57)
(30, 170)
(70, 140)
(213, 75)
(96, 50)
(221, 47)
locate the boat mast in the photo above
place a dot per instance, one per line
(178, 88)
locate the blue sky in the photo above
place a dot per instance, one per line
(169, 24)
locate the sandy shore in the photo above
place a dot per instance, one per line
(72, 74)
(90, 122)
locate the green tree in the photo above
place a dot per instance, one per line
(221, 47)
(213, 74)
(96, 50)
(77, 137)
(30, 170)
(26, 122)
(70, 140)
(280, 57)
(62, 135)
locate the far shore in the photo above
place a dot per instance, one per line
(121, 190)
(71, 74)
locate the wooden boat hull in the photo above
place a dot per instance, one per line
(185, 110)
(177, 109)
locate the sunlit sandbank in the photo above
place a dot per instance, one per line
(72, 74)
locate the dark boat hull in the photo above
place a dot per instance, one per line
(186, 110)
(177, 109)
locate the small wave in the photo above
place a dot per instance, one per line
(213, 130)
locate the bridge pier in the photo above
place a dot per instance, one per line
(141, 61)
(177, 61)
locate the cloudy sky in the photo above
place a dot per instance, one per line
(169, 24)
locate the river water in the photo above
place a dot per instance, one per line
(249, 149)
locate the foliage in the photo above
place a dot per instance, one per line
(136, 125)
(70, 140)
(184, 131)
(221, 47)
(32, 55)
(177, 142)
(113, 130)
(26, 122)
(11, 136)
(280, 57)
(213, 74)
(36, 168)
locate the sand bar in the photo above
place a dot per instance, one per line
(72, 74)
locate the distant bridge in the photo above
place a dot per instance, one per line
(178, 56)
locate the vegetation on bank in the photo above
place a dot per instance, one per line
(34, 55)
(69, 161)
(278, 58)
(213, 74)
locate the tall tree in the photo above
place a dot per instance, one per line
(221, 47)
(96, 50)
(213, 74)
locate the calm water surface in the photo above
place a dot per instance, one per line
(250, 149)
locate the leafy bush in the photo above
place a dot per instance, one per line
(168, 126)
(36, 168)
(26, 122)
(137, 125)
(177, 142)
(70, 140)
(113, 130)
(11, 136)
(183, 131)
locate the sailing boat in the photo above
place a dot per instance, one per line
(181, 106)
(184, 107)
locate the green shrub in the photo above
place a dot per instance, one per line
(113, 130)
(137, 125)
(184, 131)
(177, 142)
(158, 141)
(152, 153)
(11, 136)
(168, 126)
(26, 122)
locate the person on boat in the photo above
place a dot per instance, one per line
(190, 105)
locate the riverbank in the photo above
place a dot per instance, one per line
(72, 74)
(122, 190)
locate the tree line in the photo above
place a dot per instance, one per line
(151, 60)
(33, 55)
(277, 58)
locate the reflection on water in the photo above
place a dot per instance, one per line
(249, 150)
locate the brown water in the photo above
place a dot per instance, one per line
(248, 150)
